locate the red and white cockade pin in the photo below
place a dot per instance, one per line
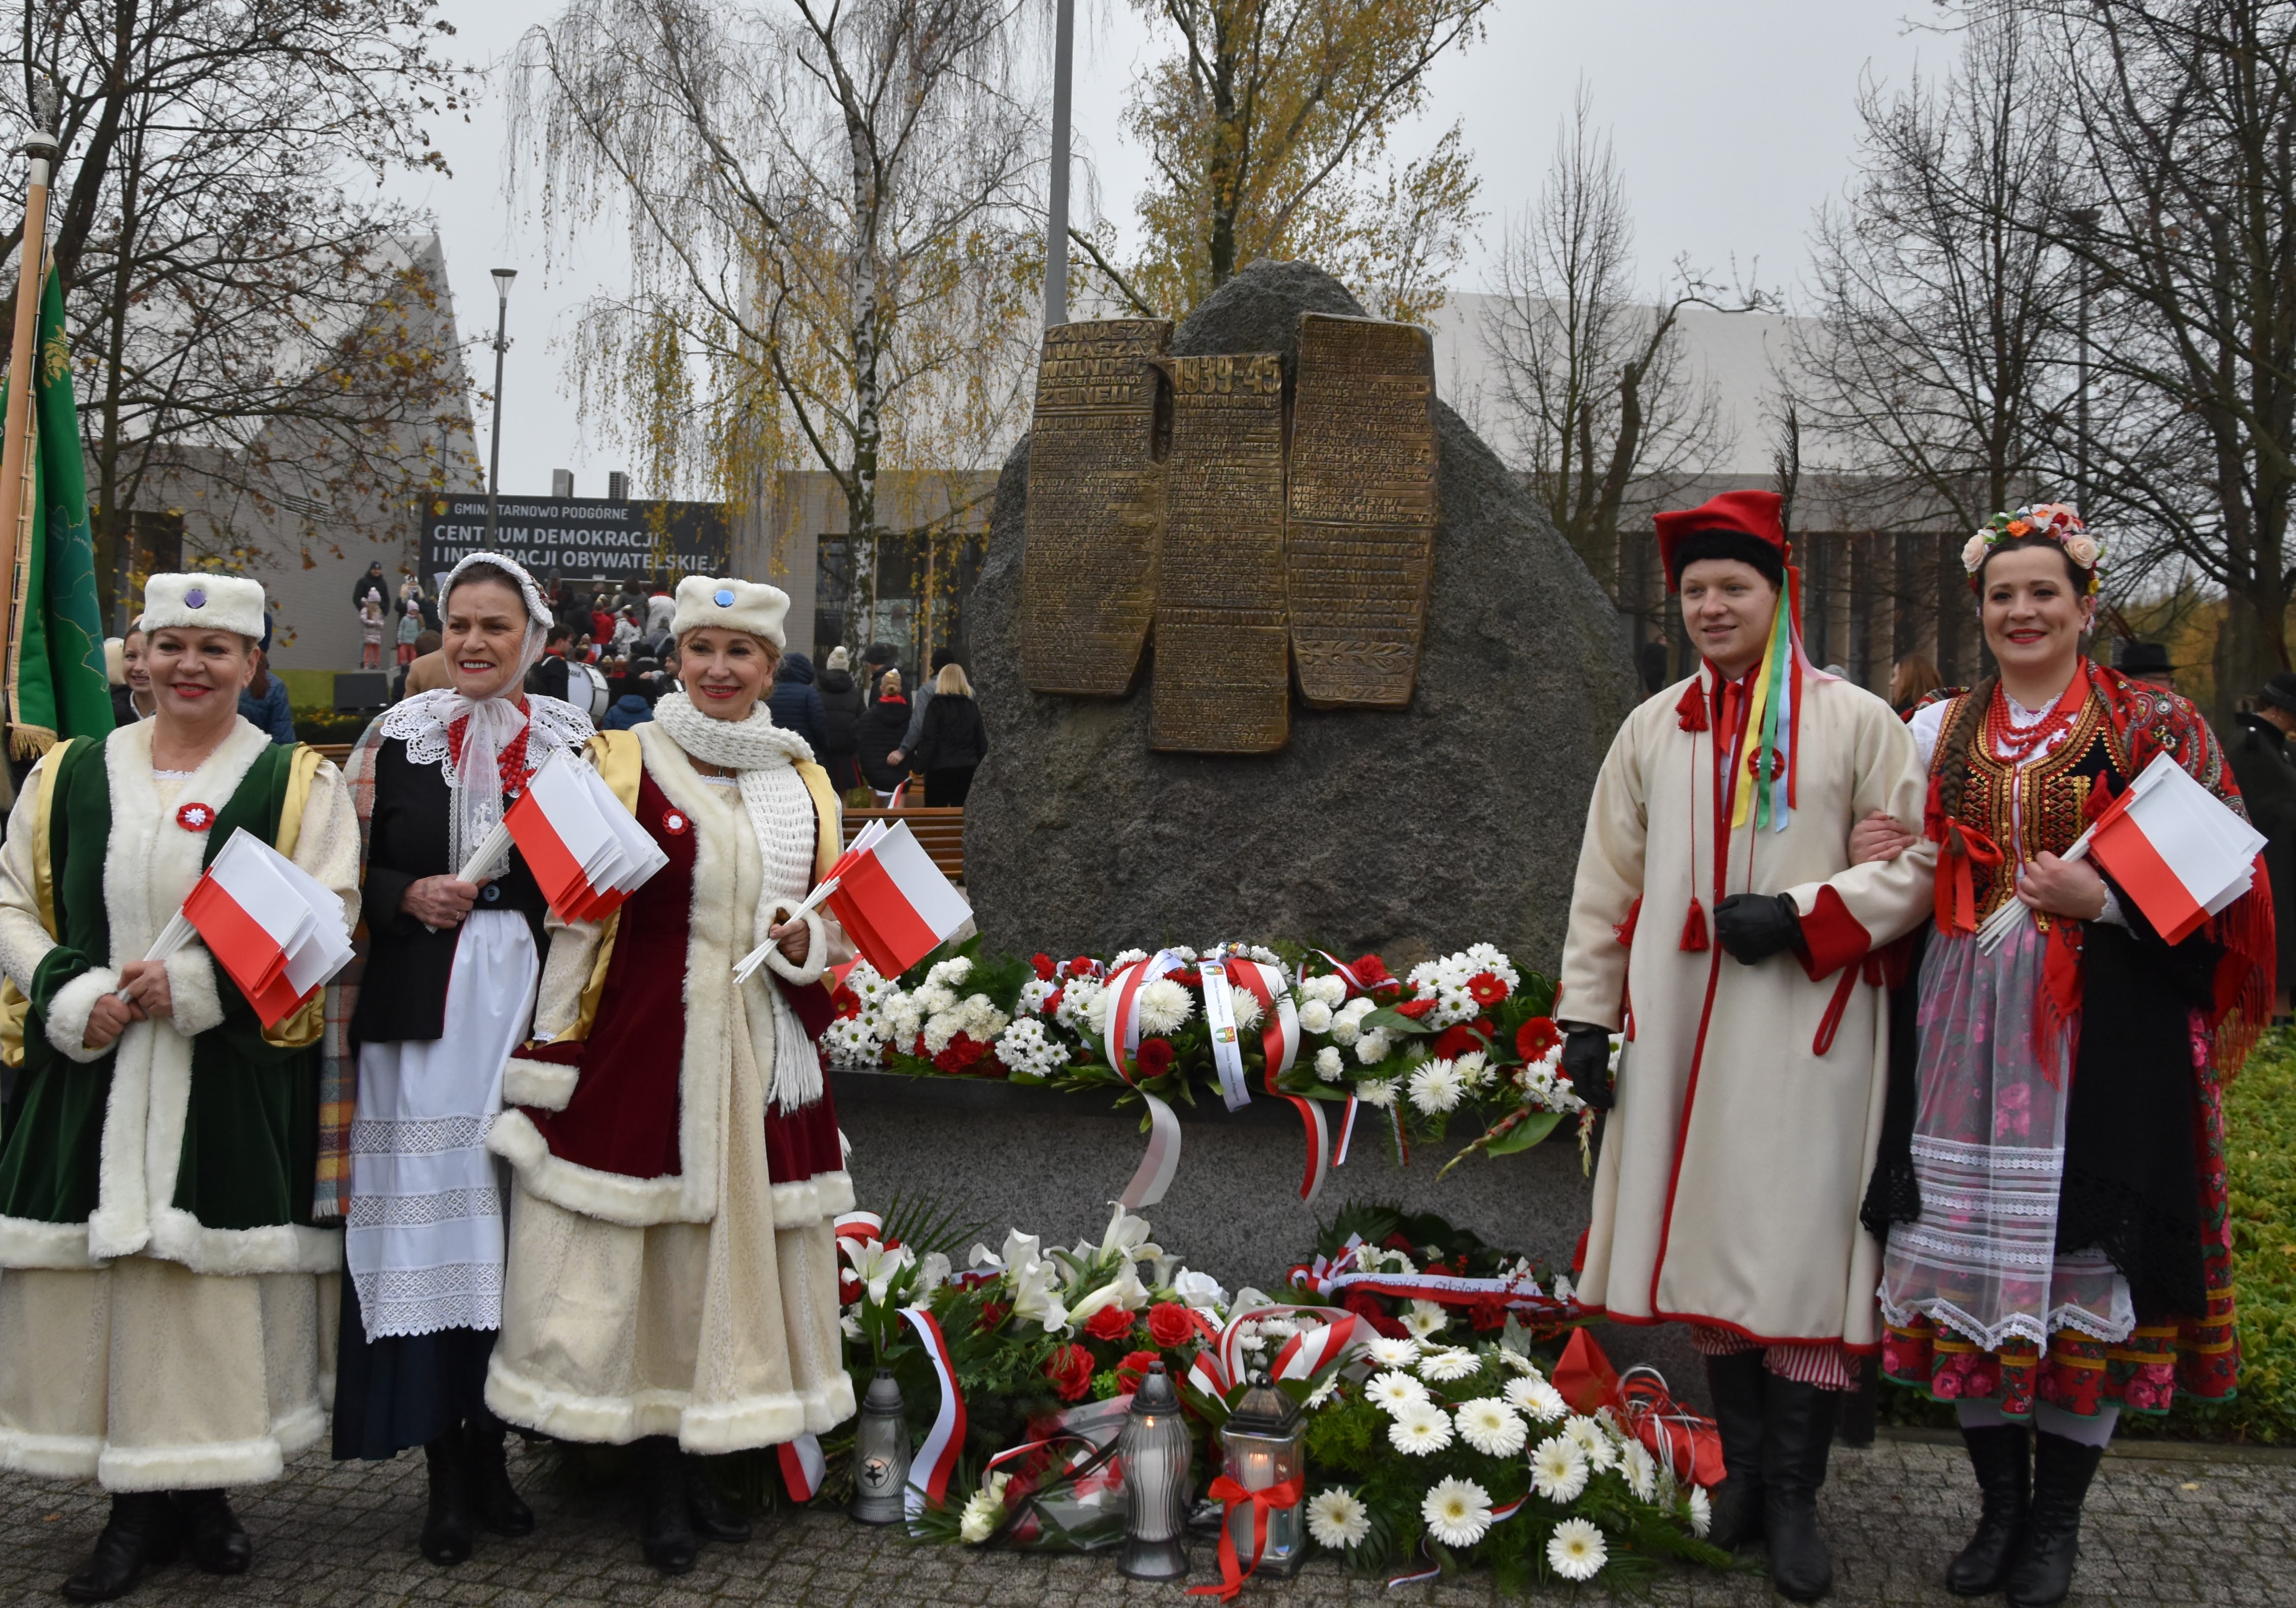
(673, 822)
(195, 817)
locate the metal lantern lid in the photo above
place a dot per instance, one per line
(1155, 1394)
(1264, 1411)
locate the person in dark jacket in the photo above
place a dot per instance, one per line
(263, 701)
(629, 710)
(880, 658)
(954, 742)
(371, 584)
(840, 748)
(942, 657)
(795, 703)
(883, 725)
(548, 676)
(2267, 773)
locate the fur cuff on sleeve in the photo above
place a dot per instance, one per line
(538, 1084)
(816, 953)
(69, 1010)
(194, 1003)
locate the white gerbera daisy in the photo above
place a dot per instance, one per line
(1588, 1437)
(1451, 1362)
(1420, 1428)
(1558, 1469)
(1458, 1512)
(1576, 1550)
(1492, 1427)
(1701, 1512)
(1393, 1353)
(1520, 1363)
(1393, 1391)
(1436, 1086)
(1540, 1401)
(1338, 1519)
(1323, 1393)
(1425, 1317)
(1164, 1006)
(1640, 1471)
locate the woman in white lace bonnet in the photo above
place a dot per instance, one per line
(452, 966)
(672, 1270)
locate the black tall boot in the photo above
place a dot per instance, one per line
(2005, 1480)
(713, 1517)
(1799, 1428)
(447, 1526)
(144, 1532)
(494, 1499)
(219, 1544)
(2042, 1571)
(665, 1524)
(1737, 1385)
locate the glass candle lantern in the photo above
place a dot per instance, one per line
(1263, 1446)
(1154, 1449)
(881, 1454)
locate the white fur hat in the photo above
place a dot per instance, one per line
(737, 605)
(204, 601)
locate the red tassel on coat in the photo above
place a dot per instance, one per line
(1694, 927)
(1690, 712)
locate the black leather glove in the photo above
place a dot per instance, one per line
(1587, 1063)
(1755, 926)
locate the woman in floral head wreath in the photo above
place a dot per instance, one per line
(2050, 1179)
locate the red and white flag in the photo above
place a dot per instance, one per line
(802, 1466)
(273, 927)
(2175, 848)
(586, 852)
(891, 900)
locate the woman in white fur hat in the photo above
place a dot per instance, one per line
(673, 1272)
(167, 1312)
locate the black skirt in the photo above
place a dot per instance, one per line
(404, 1389)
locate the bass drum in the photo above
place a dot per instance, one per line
(585, 690)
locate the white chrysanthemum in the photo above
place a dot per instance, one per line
(1558, 1469)
(1641, 1470)
(1315, 1017)
(983, 1513)
(1701, 1512)
(1458, 1512)
(1079, 996)
(1330, 1064)
(1474, 1069)
(1096, 1013)
(852, 1042)
(1536, 1398)
(1425, 1317)
(1435, 1087)
(1330, 990)
(1491, 1427)
(1026, 1047)
(1244, 1006)
(1164, 1006)
(1338, 1519)
(1419, 1430)
(1374, 1046)
(1394, 1390)
(1323, 1393)
(1125, 958)
(1588, 1437)
(1393, 1353)
(952, 971)
(1576, 1550)
(1033, 995)
(1451, 1362)
(1376, 1091)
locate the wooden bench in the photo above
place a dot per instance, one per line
(940, 833)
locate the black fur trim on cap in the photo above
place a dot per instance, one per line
(1729, 544)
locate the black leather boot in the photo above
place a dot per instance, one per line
(144, 1532)
(448, 1525)
(2005, 1480)
(494, 1499)
(2042, 1571)
(665, 1525)
(714, 1518)
(1737, 1385)
(1799, 1428)
(217, 1543)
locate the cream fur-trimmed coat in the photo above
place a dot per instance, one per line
(702, 1304)
(1735, 1162)
(143, 1347)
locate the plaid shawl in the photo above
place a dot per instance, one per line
(331, 1197)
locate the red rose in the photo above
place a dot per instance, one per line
(1070, 1368)
(1454, 1042)
(1133, 1368)
(1535, 1036)
(1169, 1324)
(1414, 1008)
(994, 1312)
(1366, 1306)
(1487, 987)
(846, 1002)
(1044, 964)
(1110, 1323)
(1155, 1057)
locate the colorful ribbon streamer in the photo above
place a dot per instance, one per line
(1279, 1043)
(938, 1456)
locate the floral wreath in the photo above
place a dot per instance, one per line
(2056, 521)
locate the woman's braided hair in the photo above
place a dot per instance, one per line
(1962, 721)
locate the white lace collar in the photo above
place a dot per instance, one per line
(421, 722)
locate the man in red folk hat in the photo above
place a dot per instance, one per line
(1749, 1096)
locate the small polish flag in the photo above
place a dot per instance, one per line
(802, 1466)
(586, 852)
(275, 928)
(2175, 848)
(892, 901)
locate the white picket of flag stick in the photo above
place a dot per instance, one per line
(494, 843)
(2002, 923)
(747, 967)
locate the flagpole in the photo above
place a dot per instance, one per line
(15, 456)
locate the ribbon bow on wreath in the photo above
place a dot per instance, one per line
(1233, 1571)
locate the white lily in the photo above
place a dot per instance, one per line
(1125, 1291)
(877, 1267)
(1129, 1236)
(1036, 1295)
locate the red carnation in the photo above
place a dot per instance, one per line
(1169, 1324)
(1052, 1002)
(1080, 966)
(1414, 1008)
(1535, 1036)
(1133, 1368)
(1044, 964)
(1372, 972)
(1368, 1306)
(1070, 1368)
(849, 1287)
(1487, 987)
(1155, 1057)
(994, 1312)
(846, 1002)
(1110, 1323)
(1454, 1042)
(964, 1052)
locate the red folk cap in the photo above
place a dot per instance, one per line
(1753, 514)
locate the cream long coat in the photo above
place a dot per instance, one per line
(1736, 1159)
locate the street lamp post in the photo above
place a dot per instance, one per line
(503, 277)
(1056, 223)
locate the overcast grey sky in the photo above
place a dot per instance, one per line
(1733, 123)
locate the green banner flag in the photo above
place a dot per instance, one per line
(57, 686)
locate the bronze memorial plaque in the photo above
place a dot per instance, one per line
(1360, 550)
(1222, 683)
(1096, 502)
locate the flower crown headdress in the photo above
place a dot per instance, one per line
(2055, 520)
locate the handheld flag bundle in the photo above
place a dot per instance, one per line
(272, 925)
(586, 852)
(893, 901)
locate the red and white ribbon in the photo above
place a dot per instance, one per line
(1154, 1174)
(1309, 1351)
(1327, 1275)
(1347, 1134)
(1329, 1349)
(945, 1440)
(802, 1465)
(1279, 1042)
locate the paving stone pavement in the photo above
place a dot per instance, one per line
(2164, 1530)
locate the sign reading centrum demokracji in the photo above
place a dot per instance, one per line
(580, 535)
